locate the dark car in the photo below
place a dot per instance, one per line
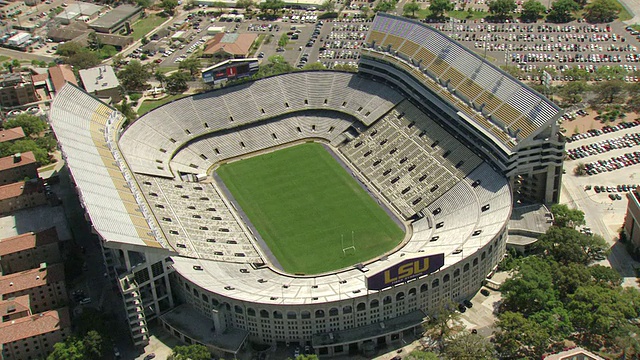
(467, 303)
(462, 308)
(150, 356)
(485, 292)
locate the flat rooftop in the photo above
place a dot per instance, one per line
(191, 323)
(115, 16)
(400, 323)
(533, 218)
(99, 78)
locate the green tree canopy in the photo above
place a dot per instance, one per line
(598, 310)
(272, 5)
(502, 9)
(314, 66)
(385, 6)
(519, 337)
(602, 11)
(567, 245)
(572, 91)
(532, 11)
(562, 11)
(77, 55)
(328, 6)
(178, 82)
(466, 345)
(169, 6)
(191, 352)
(87, 348)
(563, 216)
(609, 91)
(439, 7)
(30, 124)
(276, 64)
(192, 64)
(531, 288)
(245, 4)
(422, 355)
(134, 76)
(411, 8)
(605, 276)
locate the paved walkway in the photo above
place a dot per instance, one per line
(633, 6)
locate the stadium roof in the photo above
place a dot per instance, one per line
(491, 99)
(82, 126)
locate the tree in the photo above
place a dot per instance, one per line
(443, 323)
(562, 11)
(531, 289)
(77, 55)
(178, 82)
(273, 5)
(609, 91)
(602, 11)
(421, 355)
(532, 11)
(276, 65)
(466, 345)
(385, 6)
(134, 76)
(245, 4)
(598, 310)
(328, 6)
(633, 104)
(160, 77)
(411, 8)
(520, 337)
(284, 39)
(572, 91)
(192, 64)
(192, 352)
(126, 110)
(605, 276)
(563, 216)
(143, 3)
(220, 5)
(30, 124)
(365, 11)
(502, 9)
(71, 349)
(439, 7)
(568, 245)
(93, 41)
(93, 345)
(169, 6)
(314, 66)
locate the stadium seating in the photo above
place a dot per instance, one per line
(409, 158)
(507, 101)
(196, 220)
(150, 143)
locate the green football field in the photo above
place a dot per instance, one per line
(303, 203)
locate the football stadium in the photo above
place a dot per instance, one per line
(325, 209)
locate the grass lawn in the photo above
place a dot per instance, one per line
(143, 26)
(149, 105)
(302, 202)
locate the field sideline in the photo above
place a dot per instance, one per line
(302, 202)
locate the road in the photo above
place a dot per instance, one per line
(14, 54)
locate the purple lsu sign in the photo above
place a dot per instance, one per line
(404, 271)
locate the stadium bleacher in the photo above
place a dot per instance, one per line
(508, 102)
(153, 139)
(409, 158)
(196, 220)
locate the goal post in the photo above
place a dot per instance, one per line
(350, 246)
